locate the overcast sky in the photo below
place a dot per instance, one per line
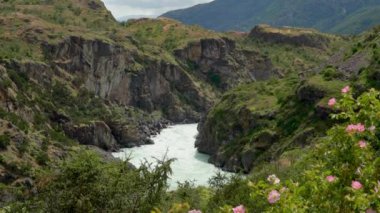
(149, 8)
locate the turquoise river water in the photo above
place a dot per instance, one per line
(176, 142)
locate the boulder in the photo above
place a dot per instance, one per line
(96, 133)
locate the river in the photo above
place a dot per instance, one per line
(177, 142)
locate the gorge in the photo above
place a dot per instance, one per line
(77, 86)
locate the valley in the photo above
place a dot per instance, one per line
(77, 86)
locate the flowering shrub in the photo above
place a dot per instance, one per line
(344, 174)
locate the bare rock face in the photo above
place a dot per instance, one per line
(96, 134)
(116, 74)
(292, 36)
(216, 140)
(220, 63)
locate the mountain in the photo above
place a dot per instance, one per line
(76, 85)
(338, 16)
(254, 123)
(72, 77)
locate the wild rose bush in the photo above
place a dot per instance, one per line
(344, 173)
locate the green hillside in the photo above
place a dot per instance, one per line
(343, 16)
(76, 85)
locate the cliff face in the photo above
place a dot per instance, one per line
(257, 122)
(292, 36)
(115, 73)
(128, 78)
(220, 63)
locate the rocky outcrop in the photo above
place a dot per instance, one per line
(132, 130)
(292, 36)
(123, 76)
(115, 134)
(128, 135)
(96, 133)
(220, 63)
(218, 140)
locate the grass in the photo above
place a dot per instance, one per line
(244, 113)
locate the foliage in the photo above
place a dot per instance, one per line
(331, 73)
(344, 174)
(338, 174)
(85, 183)
(14, 119)
(4, 141)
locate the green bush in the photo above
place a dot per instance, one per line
(85, 183)
(343, 175)
(5, 140)
(42, 158)
(23, 146)
(230, 191)
(14, 119)
(330, 73)
(214, 78)
(19, 78)
(5, 83)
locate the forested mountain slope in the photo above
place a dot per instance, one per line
(342, 16)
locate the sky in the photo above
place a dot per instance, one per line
(122, 9)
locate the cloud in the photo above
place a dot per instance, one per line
(149, 8)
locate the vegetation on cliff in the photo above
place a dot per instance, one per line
(75, 83)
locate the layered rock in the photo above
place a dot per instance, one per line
(218, 140)
(96, 134)
(292, 36)
(220, 63)
(117, 74)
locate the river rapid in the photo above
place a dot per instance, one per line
(176, 142)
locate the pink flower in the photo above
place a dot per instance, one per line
(346, 89)
(355, 128)
(356, 185)
(195, 211)
(351, 128)
(332, 102)
(239, 209)
(370, 210)
(360, 127)
(362, 144)
(274, 196)
(330, 178)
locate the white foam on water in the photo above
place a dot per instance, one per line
(176, 142)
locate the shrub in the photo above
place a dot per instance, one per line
(14, 119)
(344, 171)
(19, 78)
(42, 158)
(214, 78)
(5, 140)
(85, 183)
(330, 73)
(5, 83)
(23, 146)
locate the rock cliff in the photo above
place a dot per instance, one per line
(223, 65)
